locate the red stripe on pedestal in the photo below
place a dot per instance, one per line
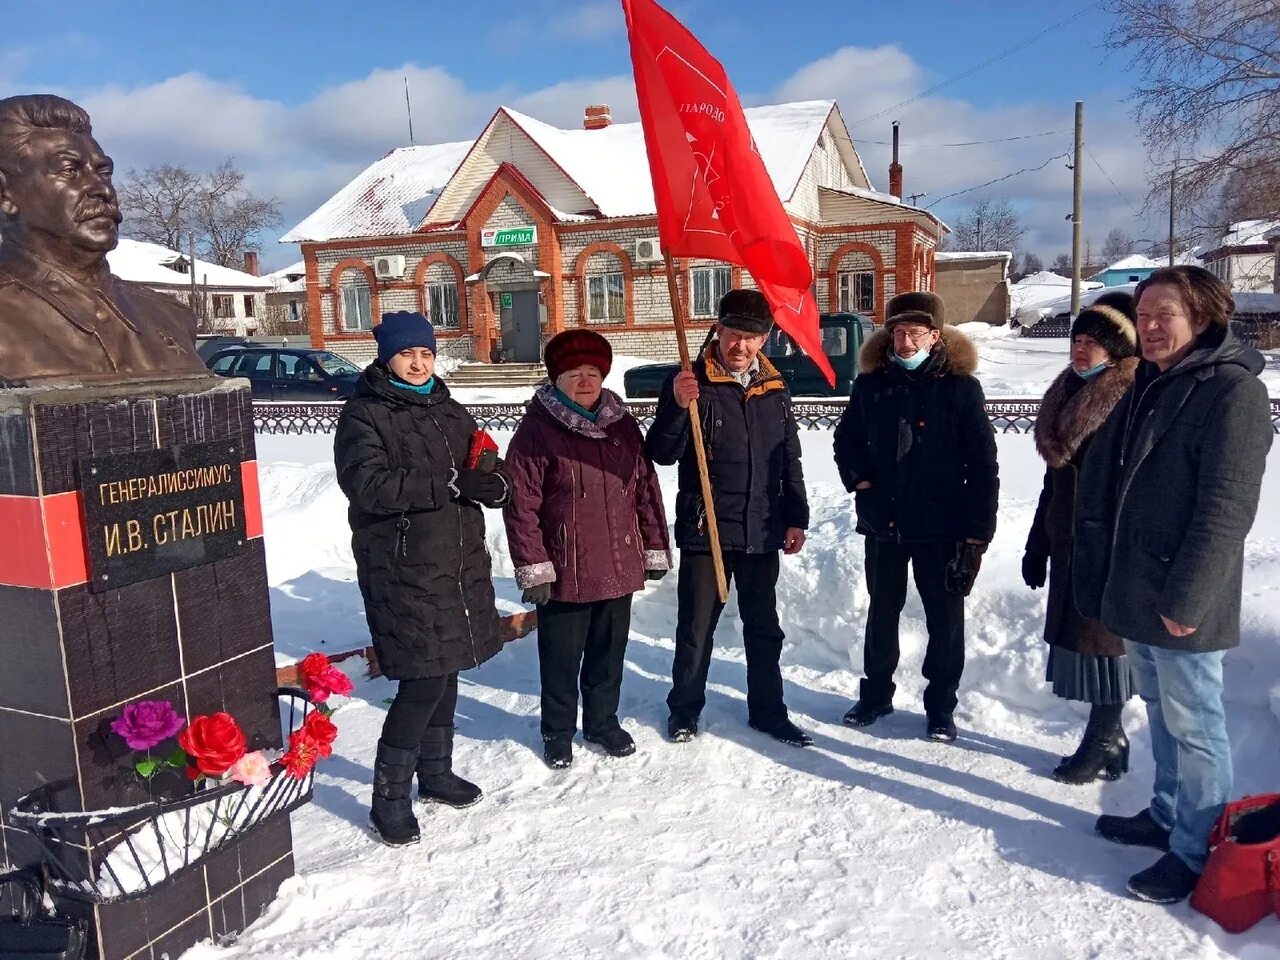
(64, 530)
(252, 499)
(24, 559)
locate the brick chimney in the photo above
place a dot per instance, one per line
(597, 117)
(895, 168)
(251, 262)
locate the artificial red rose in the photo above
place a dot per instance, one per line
(301, 756)
(213, 743)
(322, 731)
(321, 679)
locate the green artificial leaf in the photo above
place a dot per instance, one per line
(146, 768)
(177, 759)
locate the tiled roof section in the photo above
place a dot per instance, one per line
(389, 197)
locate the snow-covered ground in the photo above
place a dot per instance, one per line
(874, 843)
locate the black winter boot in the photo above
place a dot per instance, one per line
(1168, 880)
(1140, 830)
(785, 731)
(616, 741)
(392, 816)
(557, 752)
(1103, 752)
(437, 783)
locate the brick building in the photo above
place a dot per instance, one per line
(572, 213)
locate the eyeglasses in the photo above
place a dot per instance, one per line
(913, 337)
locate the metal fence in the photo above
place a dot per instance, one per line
(1007, 415)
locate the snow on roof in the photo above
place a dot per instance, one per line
(389, 197)
(1041, 288)
(973, 255)
(1045, 278)
(151, 264)
(290, 279)
(611, 167)
(1257, 302)
(1135, 261)
(1249, 233)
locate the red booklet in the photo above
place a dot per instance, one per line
(484, 452)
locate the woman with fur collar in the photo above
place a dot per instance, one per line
(1086, 661)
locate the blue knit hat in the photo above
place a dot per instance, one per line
(403, 330)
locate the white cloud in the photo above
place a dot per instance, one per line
(588, 21)
(303, 153)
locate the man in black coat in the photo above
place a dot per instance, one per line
(915, 448)
(753, 456)
(1168, 492)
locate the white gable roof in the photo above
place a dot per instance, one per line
(1249, 233)
(150, 264)
(609, 166)
(1135, 261)
(389, 197)
(290, 279)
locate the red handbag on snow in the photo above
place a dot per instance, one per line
(1241, 880)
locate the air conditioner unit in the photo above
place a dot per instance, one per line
(389, 267)
(648, 250)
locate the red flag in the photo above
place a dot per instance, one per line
(714, 197)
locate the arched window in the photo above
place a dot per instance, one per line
(440, 296)
(606, 289)
(856, 284)
(355, 302)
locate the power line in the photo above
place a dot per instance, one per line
(986, 63)
(1119, 194)
(1007, 176)
(965, 143)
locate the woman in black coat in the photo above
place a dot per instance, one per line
(1086, 661)
(401, 450)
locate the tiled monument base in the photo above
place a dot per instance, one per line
(74, 653)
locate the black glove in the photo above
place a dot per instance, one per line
(655, 574)
(537, 595)
(962, 569)
(1035, 569)
(484, 488)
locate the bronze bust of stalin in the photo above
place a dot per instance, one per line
(63, 316)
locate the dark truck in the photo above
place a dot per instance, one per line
(842, 337)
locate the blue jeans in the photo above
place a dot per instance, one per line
(1183, 694)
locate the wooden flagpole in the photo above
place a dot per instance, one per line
(695, 423)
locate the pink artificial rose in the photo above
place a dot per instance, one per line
(252, 770)
(147, 723)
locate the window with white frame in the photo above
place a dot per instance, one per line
(442, 304)
(710, 284)
(857, 292)
(357, 307)
(224, 306)
(606, 298)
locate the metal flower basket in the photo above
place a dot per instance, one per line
(109, 856)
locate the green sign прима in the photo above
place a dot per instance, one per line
(506, 301)
(509, 237)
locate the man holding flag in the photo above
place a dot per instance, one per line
(753, 453)
(715, 200)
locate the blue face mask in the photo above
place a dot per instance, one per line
(1091, 372)
(915, 360)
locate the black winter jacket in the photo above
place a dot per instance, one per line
(923, 440)
(1168, 492)
(420, 550)
(753, 458)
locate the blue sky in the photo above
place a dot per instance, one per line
(304, 95)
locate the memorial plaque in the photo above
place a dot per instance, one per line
(151, 513)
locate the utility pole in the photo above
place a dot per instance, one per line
(191, 247)
(977, 241)
(1173, 174)
(913, 197)
(408, 109)
(1077, 202)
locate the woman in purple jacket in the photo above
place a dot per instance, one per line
(586, 528)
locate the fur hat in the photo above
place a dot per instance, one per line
(916, 306)
(1110, 320)
(403, 330)
(573, 348)
(747, 311)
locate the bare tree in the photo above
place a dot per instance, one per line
(1062, 264)
(167, 203)
(988, 225)
(159, 204)
(1117, 245)
(1208, 102)
(1031, 264)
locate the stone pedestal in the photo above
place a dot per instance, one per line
(75, 649)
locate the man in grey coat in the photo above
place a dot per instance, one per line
(1167, 495)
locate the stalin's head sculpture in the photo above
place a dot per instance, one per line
(63, 316)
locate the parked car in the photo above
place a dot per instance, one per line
(843, 335)
(1054, 318)
(207, 344)
(288, 374)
